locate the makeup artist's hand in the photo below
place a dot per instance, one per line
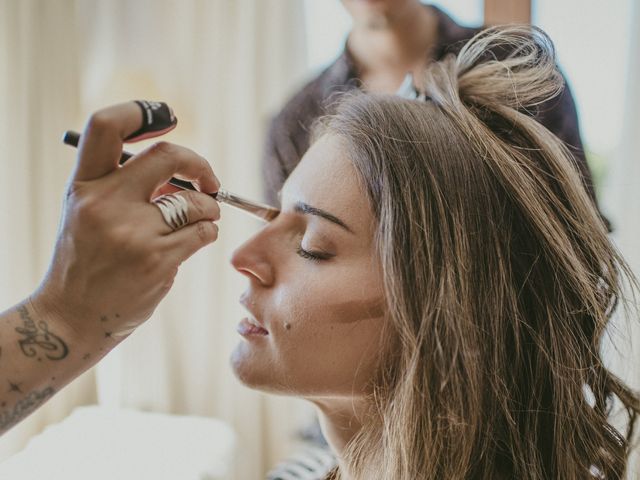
(115, 256)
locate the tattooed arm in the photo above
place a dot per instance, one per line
(115, 258)
(39, 356)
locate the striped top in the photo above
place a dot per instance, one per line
(312, 463)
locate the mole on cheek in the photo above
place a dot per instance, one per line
(287, 326)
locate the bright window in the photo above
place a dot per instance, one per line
(592, 42)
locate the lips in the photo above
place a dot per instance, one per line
(251, 324)
(249, 327)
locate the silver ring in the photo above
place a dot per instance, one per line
(174, 209)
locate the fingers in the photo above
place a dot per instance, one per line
(165, 189)
(200, 206)
(153, 167)
(188, 240)
(101, 143)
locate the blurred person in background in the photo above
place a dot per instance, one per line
(389, 39)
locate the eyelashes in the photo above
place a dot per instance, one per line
(313, 255)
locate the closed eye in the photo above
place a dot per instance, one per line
(313, 255)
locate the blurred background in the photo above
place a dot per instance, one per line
(226, 66)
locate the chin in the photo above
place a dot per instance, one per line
(241, 363)
(252, 371)
(257, 373)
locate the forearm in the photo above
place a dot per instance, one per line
(39, 355)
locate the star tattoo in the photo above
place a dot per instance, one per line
(15, 387)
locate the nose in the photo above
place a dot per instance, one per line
(250, 259)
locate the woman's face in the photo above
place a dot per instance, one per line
(315, 286)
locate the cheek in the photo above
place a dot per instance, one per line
(324, 304)
(325, 334)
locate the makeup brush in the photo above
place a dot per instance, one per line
(259, 210)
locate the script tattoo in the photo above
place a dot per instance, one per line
(37, 337)
(24, 407)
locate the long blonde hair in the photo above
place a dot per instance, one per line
(499, 278)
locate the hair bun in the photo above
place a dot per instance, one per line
(508, 66)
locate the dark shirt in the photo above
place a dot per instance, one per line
(289, 132)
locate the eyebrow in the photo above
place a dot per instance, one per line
(306, 209)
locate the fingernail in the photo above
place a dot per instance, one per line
(157, 118)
